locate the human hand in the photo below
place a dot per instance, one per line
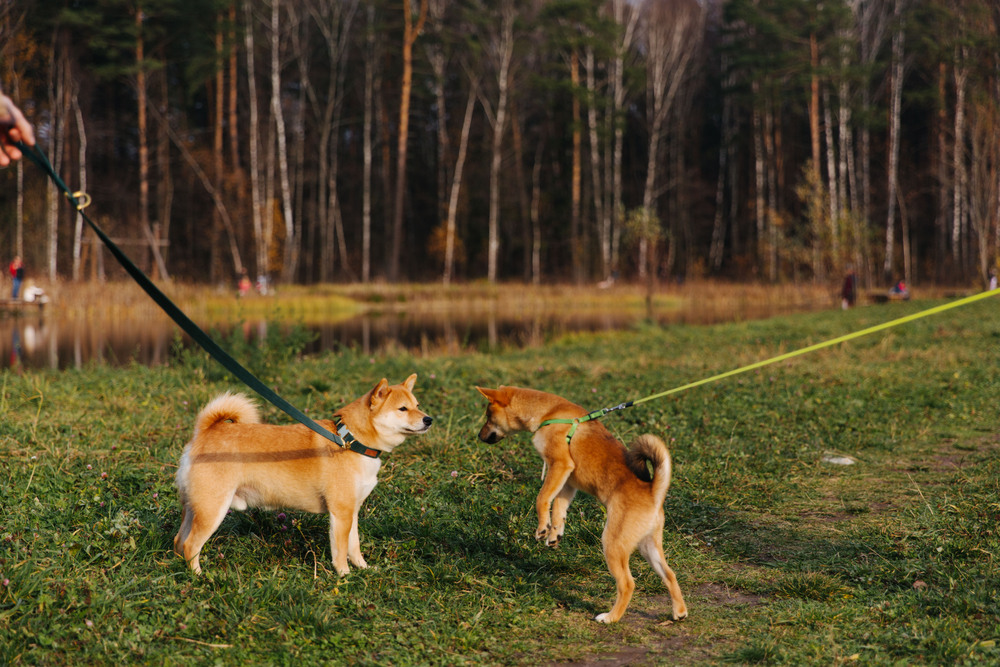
(14, 127)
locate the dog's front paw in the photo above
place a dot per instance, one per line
(542, 533)
(552, 540)
(680, 615)
(603, 618)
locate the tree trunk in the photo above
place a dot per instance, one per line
(771, 156)
(819, 264)
(217, 156)
(81, 131)
(234, 136)
(291, 232)
(760, 206)
(523, 197)
(958, 215)
(536, 227)
(456, 184)
(896, 97)
(411, 31)
(142, 102)
(843, 133)
(165, 178)
(718, 246)
(814, 105)
(628, 17)
(366, 194)
(256, 206)
(673, 36)
(439, 66)
(140, 82)
(831, 175)
(601, 214)
(576, 235)
(504, 48)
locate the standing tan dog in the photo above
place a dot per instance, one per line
(595, 462)
(234, 461)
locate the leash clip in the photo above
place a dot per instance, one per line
(81, 198)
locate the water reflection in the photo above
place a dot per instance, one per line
(48, 341)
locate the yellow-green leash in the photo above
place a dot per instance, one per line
(597, 414)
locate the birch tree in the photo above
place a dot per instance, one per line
(499, 44)
(371, 60)
(672, 32)
(896, 97)
(451, 235)
(450, 171)
(334, 20)
(291, 231)
(81, 131)
(626, 17)
(261, 243)
(58, 96)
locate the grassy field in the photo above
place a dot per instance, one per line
(784, 557)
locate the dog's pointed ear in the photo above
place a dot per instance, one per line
(410, 381)
(378, 393)
(497, 396)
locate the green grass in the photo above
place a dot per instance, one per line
(783, 558)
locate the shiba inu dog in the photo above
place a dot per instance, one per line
(595, 462)
(234, 461)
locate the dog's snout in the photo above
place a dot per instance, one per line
(489, 435)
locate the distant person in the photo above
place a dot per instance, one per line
(263, 284)
(899, 291)
(244, 285)
(993, 279)
(14, 127)
(849, 291)
(17, 276)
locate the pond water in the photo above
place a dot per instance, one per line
(35, 340)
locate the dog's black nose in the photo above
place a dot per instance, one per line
(428, 420)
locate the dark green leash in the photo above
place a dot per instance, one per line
(80, 201)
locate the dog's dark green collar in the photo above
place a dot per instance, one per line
(354, 445)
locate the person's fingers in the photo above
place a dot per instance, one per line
(14, 127)
(11, 152)
(22, 127)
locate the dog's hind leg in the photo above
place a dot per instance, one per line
(617, 557)
(202, 526)
(184, 529)
(559, 508)
(651, 547)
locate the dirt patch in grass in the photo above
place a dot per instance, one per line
(851, 512)
(675, 642)
(720, 595)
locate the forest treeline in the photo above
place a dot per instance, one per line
(534, 140)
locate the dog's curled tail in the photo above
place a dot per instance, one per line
(236, 408)
(650, 448)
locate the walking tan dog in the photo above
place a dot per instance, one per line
(234, 461)
(595, 462)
